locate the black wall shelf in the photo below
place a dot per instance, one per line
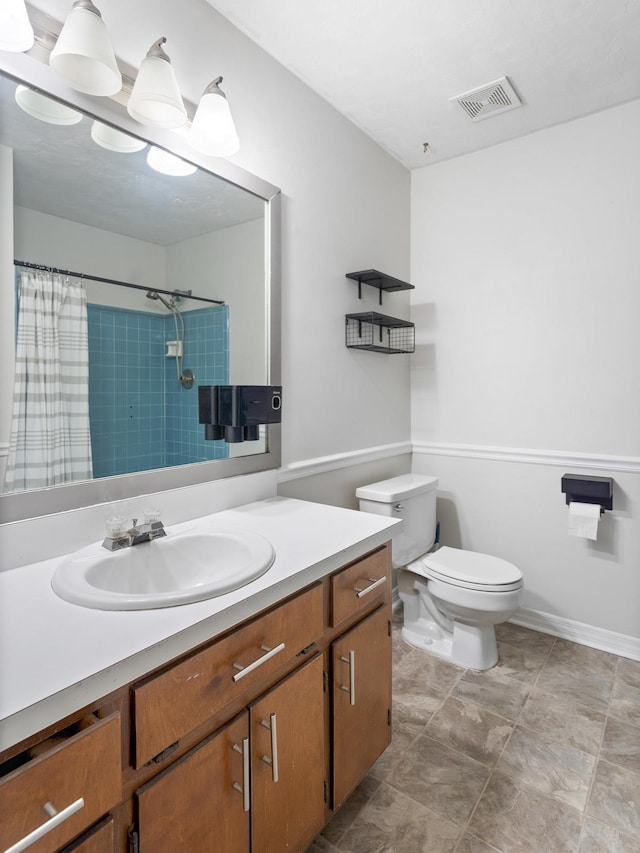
(375, 332)
(375, 278)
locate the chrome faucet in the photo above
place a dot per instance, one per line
(146, 531)
(119, 537)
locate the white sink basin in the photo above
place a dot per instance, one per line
(177, 569)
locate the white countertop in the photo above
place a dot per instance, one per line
(56, 657)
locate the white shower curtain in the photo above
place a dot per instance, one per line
(50, 439)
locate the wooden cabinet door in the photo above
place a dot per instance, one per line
(288, 761)
(200, 804)
(361, 667)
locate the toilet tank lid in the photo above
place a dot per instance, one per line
(397, 488)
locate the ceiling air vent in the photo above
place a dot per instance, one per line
(490, 100)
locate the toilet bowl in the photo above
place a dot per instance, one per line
(452, 601)
(452, 598)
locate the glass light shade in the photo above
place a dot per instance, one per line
(115, 140)
(169, 164)
(213, 131)
(155, 98)
(16, 32)
(44, 108)
(83, 54)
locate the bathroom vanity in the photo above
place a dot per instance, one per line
(235, 724)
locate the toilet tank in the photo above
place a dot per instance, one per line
(411, 497)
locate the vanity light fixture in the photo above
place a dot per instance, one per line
(45, 109)
(169, 164)
(115, 140)
(83, 54)
(155, 98)
(213, 131)
(16, 32)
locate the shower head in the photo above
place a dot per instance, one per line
(185, 377)
(153, 294)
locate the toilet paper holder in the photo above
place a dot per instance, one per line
(586, 489)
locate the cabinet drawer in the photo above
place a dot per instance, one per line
(169, 706)
(359, 587)
(84, 767)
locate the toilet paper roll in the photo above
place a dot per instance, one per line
(583, 519)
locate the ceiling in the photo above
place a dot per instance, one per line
(60, 171)
(391, 66)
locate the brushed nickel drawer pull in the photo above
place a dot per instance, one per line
(375, 583)
(245, 670)
(351, 689)
(55, 819)
(244, 788)
(273, 761)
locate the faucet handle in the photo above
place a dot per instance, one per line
(153, 523)
(117, 535)
(151, 514)
(116, 525)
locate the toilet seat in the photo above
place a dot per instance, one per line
(468, 569)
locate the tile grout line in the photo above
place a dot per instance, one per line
(423, 733)
(584, 812)
(495, 763)
(491, 768)
(582, 815)
(597, 759)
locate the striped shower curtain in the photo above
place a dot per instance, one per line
(50, 440)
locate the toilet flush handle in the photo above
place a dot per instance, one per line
(398, 507)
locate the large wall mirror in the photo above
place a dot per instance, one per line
(180, 276)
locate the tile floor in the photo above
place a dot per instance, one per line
(540, 754)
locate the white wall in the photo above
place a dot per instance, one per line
(345, 207)
(56, 242)
(230, 265)
(7, 302)
(526, 258)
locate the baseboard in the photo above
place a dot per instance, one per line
(567, 629)
(579, 632)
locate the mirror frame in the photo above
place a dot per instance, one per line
(23, 68)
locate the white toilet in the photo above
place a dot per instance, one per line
(452, 598)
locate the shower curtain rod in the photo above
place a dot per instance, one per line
(89, 277)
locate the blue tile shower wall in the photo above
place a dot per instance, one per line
(207, 355)
(141, 417)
